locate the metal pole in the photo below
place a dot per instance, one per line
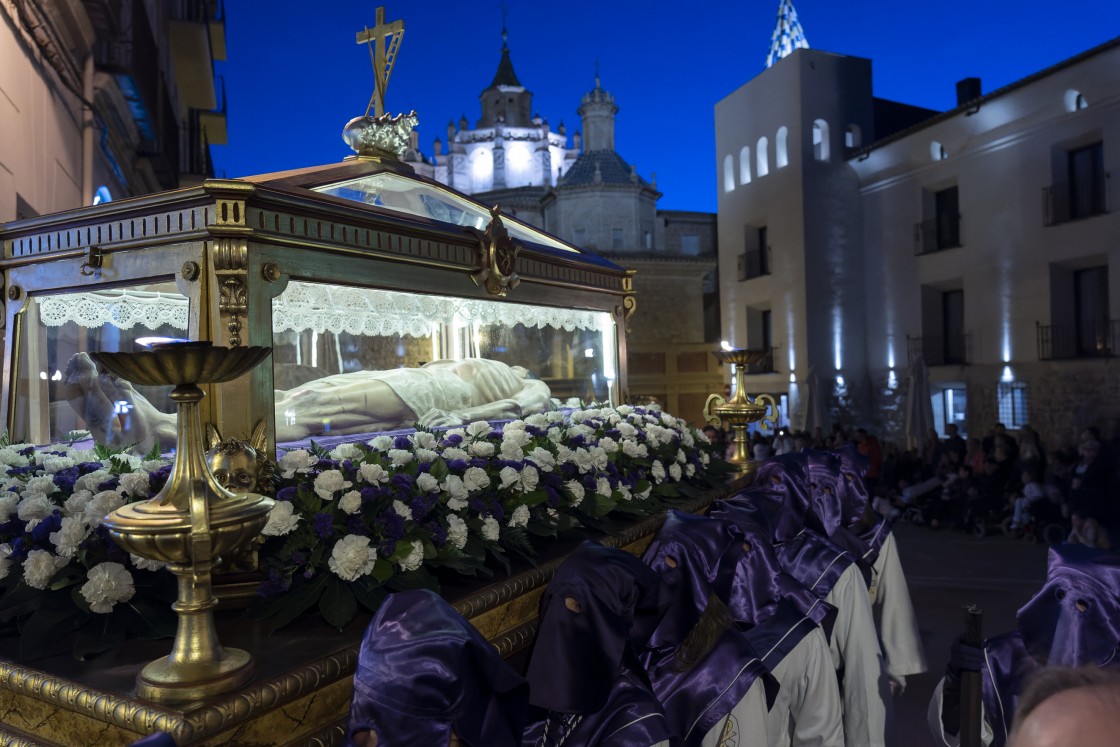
(970, 682)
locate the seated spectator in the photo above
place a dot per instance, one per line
(1033, 491)
(1090, 487)
(1087, 531)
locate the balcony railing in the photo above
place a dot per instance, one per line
(941, 350)
(1076, 199)
(1097, 339)
(937, 234)
(754, 263)
(763, 365)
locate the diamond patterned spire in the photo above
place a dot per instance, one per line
(788, 34)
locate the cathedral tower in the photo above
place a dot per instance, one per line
(505, 101)
(597, 112)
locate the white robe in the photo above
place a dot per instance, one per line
(855, 649)
(938, 730)
(745, 726)
(898, 625)
(808, 711)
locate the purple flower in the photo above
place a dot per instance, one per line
(42, 531)
(390, 525)
(299, 558)
(309, 574)
(286, 494)
(65, 478)
(576, 441)
(28, 451)
(86, 467)
(480, 463)
(553, 496)
(453, 440)
(158, 478)
(439, 534)
(535, 431)
(420, 505)
(403, 482)
(458, 465)
(110, 484)
(324, 526)
(402, 442)
(355, 525)
(20, 549)
(275, 583)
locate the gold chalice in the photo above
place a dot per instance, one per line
(192, 521)
(739, 411)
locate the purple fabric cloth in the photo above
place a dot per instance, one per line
(760, 584)
(1007, 665)
(697, 558)
(781, 631)
(781, 491)
(631, 717)
(874, 537)
(1074, 619)
(854, 496)
(423, 670)
(159, 739)
(584, 628)
(814, 561)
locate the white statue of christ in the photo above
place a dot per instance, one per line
(439, 393)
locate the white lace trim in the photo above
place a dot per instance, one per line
(319, 308)
(370, 311)
(123, 309)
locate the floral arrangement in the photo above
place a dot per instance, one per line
(349, 524)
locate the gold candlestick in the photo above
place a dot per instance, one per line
(740, 411)
(191, 522)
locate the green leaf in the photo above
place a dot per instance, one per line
(99, 634)
(534, 498)
(439, 469)
(597, 505)
(382, 570)
(516, 540)
(159, 621)
(421, 578)
(51, 622)
(337, 604)
(368, 593)
(295, 602)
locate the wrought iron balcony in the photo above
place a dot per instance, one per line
(937, 234)
(1097, 339)
(1073, 200)
(941, 350)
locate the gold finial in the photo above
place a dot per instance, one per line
(382, 59)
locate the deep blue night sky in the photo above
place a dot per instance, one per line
(294, 75)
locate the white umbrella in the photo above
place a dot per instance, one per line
(919, 407)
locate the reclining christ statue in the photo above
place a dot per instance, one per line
(439, 393)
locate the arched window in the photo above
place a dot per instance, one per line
(853, 138)
(937, 151)
(820, 140)
(1075, 101)
(762, 157)
(745, 165)
(102, 195)
(728, 173)
(482, 170)
(781, 155)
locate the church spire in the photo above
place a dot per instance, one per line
(788, 34)
(505, 75)
(505, 100)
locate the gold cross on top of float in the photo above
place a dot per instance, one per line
(382, 58)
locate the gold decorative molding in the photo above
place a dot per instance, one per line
(230, 259)
(629, 300)
(497, 258)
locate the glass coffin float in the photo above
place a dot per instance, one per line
(389, 300)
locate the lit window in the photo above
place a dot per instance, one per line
(1075, 101)
(728, 174)
(1013, 404)
(781, 155)
(853, 138)
(937, 151)
(820, 140)
(762, 157)
(745, 165)
(102, 195)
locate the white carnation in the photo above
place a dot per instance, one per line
(136, 484)
(490, 529)
(69, 535)
(689, 470)
(509, 476)
(425, 440)
(146, 564)
(543, 458)
(675, 472)
(351, 503)
(426, 456)
(5, 560)
(626, 430)
(704, 458)
(34, 508)
(529, 478)
(402, 510)
(347, 451)
(40, 567)
(574, 489)
(415, 557)
(537, 420)
(426, 483)
(76, 503)
(583, 460)
(373, 473)
(475, 478)
(452, 453)
(644, 494)
(101, 505)
(681, 458)
(282, 519)
(481, 448)
(296, 460)
(520, 517)
(40, 485)
(106, 585)
(511, 451)
(603, 487)
(330, 482)
(52, 464)
(151, 465)
(456, 492)
(609, 445)
(478, 428)
(687, 438)
(10, 457)
(400, 457)
(92, 480)
(624, 410)
(632, 448)
(599, 457)
(352, 557)
(381, 443)
(658, 471)
(8, 503)
(624, 493)
(518, 437)
(124, 462)
(456, 532)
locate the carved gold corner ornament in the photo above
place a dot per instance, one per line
(497, 257)
(629, 301)
(230, 258)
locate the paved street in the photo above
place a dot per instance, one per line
(947, 570)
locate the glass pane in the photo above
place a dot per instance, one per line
(362, 360)
(429, 201)
(58, 388)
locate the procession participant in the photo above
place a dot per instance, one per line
(703, 669)
(586, 684)
(1073, 620)
(424, 673)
